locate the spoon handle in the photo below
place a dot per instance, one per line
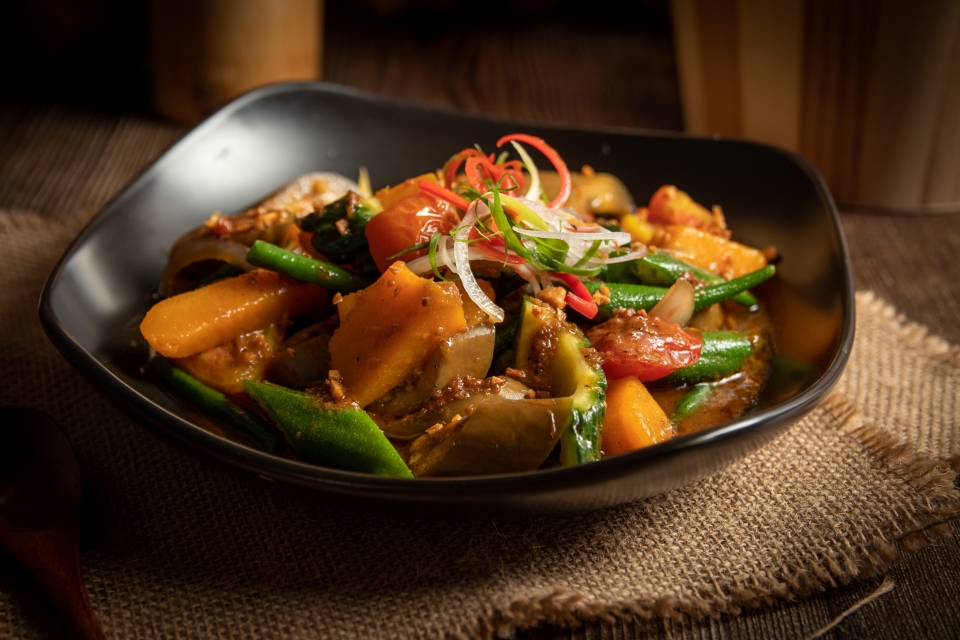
(54, 557)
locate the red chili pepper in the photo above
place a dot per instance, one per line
(444, 194)
(552, 156)
(450, 169)
(579, 297)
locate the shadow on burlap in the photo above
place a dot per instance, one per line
(173, 547)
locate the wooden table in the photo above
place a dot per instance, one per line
(584, 74)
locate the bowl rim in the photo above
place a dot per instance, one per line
(271, 467)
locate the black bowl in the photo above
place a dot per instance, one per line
(261, 140)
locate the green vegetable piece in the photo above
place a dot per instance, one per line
(641, 296)
(340, 438)
(339, 232)
(723, 353)
(214, 404)
(662, 270)
(719, 292)
(327, 275)
(571, 377)
(691, 403)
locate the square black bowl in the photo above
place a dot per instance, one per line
(246, 150)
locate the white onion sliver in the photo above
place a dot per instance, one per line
(633, 255)
(422, 264)
(620, 237)
(533, 193)
(553, 220)
(444, 252)
(461, 252)
(526, 272)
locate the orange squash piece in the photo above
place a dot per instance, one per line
(390, 329)
(389, 196)
(197, 320)
(633, 420)
(724, 257)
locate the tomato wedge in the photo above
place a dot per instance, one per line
(410, 221)
(634, 344)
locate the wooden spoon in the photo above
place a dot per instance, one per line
(40, 511)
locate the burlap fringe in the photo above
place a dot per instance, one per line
(932, 479)
(912, 334)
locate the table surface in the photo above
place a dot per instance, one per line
(548, 71)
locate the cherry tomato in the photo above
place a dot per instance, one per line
(409, 221)
(634, 344)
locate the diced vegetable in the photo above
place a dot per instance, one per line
(389, 196)
(393, 327)
(634, 419)
(226, 366)
(340, 438)
(325, 274)
(570, 376)
(204, 318)
(724, 257)
(640, 230)
(410, 221)
(214, 404)
(643, 347)
(671, 206)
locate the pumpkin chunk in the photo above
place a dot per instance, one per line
(724, 257)
(634, 419)
(198, 320)
(392, 327)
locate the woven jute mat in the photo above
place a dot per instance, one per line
(175, 548)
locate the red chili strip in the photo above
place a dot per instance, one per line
(552, 156)
(578, 297)
(450, 169)
(443, 193)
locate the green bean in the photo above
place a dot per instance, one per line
(214, 404)
(662, 269)
(723, 353)
(641, 296)
(718, 292)
(691, 403)
(327, 275)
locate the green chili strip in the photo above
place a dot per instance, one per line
(214, 404)
(325, 274)
(415, 247)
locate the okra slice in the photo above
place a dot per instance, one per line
(340, 438)
(214, 404)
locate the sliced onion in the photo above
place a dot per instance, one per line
(461, 251)
(443, 250)
(526, 272)
(533, 193)
(548, 215)
(677, 303)
(633, 255)
(618, 237)
(422, 264)
(190, 250)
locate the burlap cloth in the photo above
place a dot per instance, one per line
(175, 548)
